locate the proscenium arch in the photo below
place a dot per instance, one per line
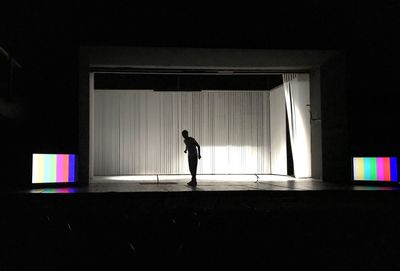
(326, 69)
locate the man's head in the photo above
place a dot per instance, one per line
(185, 133)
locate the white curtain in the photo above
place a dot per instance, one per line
(278, 131)
(106, 133)
(297, 98)
(139, 131)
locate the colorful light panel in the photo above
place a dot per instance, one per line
(375, 169)
(53, 168)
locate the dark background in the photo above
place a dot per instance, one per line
(326, 229)
(45, 39)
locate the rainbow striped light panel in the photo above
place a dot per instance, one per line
(53, 168)
(375, 169)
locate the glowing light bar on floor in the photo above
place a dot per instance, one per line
(53, 168)
(200, 177)
(139, 178)
(375, 169)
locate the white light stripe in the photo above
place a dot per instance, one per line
(205, 178)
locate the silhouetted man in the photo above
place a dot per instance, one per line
(191, 145)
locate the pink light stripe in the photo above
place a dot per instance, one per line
(62, 168)
(380, 168)
(65, 167)
(59, 168)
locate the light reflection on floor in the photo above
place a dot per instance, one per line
(200, 178)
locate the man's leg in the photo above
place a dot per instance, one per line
(193, 167)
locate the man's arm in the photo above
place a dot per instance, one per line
(198, 147)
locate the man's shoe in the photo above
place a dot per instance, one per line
(192, 183)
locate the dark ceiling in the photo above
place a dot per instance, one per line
(182, 82)
(43, 36)
(36, 27)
